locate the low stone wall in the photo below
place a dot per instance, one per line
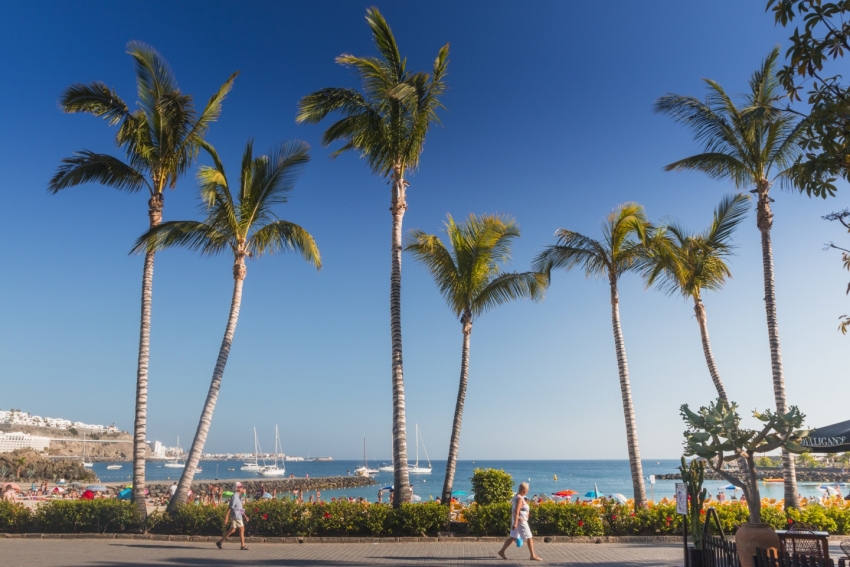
(282, 485)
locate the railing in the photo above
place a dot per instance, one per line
(717, 551)
(768, 558)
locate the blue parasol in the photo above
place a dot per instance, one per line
(593, 493)
(125, 494)
(458, 493)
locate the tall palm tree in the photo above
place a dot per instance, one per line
(160, 140)
(753, 145)
(620, 251)
(386, 124)
(471, 280)
(245, 225)
(685, 263)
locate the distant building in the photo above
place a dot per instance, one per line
(158, 449)
(16, 440)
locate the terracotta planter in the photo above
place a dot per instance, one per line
(750, 536)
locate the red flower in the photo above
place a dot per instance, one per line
(265, 516)
(580, 523)
(256, 510)
(613, 517)
(327, 516)
(333, 499)
(632, 514)
(669, 519)
(790, 521)
(702, 512)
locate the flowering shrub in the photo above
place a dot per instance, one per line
(99, 516)
(493, 519)
(189, 520)
(550, 518)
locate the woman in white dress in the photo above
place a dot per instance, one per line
(519, 523)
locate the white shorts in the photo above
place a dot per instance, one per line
(236, 523)
(522, 531)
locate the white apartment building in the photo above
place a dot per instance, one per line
(15, 440)
(24, 418)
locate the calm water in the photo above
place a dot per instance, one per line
(610, 476)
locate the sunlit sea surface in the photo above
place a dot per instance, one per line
(611, 476)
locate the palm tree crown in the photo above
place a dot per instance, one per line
(243, 223)
(746, 143)
(618, 251)
(685, 263)
(387, 122)
(160, 139)
(469, 275)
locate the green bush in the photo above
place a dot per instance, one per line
(419, 519)
(491, 486)
(819, 517)
(188, 520)
(99, 516)
(659, 519)
(493, 519)
(569, 519)
(15, 518)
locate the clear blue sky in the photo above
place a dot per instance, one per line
(549, 119)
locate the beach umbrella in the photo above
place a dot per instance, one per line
(416, 498)
(619, 498)
(830, 439)
(564, 493)
(87, 495)
(388, 487)
(125, 494)
(730, 487)
(593, 493)
(267, 495)
(14, 486)
(458, 493)
(96, 488)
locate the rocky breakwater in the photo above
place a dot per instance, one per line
(282, 485)
(803, 475)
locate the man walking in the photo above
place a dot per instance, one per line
(236, 514)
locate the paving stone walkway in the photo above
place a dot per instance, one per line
(119, 553)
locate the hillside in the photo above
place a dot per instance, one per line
(120, 450)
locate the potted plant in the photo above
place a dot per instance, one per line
(693, 475)
(715, 434)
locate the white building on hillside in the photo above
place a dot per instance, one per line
(15, 440)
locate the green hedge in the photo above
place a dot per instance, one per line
(276, 518)
(287, 518)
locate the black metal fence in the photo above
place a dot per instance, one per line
(717, 551)
(769, 559)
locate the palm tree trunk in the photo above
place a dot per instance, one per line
(764, 219)
(401, 477)
(239, 271)
(702, 319)
(451, 462)
(155, 205)
(626, 391)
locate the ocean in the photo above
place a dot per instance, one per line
(611, 476)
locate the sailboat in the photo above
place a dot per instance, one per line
(253, 465)
(389, 467)
(364, 470)
(177, 462)
(415, 468)
(274, 470)
(86, 464)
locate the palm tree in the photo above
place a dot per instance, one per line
(687, 264)
(471, 281)
(386, 124)
(160, 140)
(620, 250)
(754, 144)
(245, 225)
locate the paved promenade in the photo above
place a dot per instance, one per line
(123, 553)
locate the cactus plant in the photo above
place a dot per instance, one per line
(715, 434)
(693, 474)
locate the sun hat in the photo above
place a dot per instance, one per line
(238, 485)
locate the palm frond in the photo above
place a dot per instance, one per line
(280, 236)
(209, 115)
(510, 287)
(89, 167)
(428, 250)
(316, 106)
(95, 98)
(571, 251)
(385, 42)
(727, 216)
(272, 179)
(154, 77)
(196, 236)
(716, 165)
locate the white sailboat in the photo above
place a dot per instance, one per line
(253, 465)
(177, 462)
(274, 470)
(415, 468)
(86, 464)
(389, 467)
(364, 470)
(113, 467)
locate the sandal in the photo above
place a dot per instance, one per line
(244, 548)
(218, 544)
